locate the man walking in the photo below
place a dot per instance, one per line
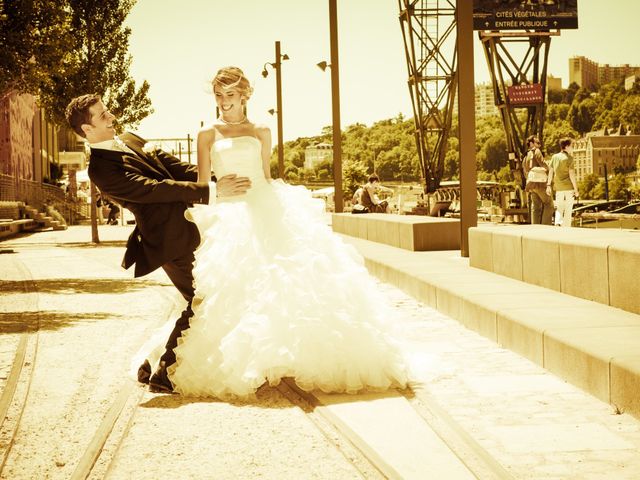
(562, 176)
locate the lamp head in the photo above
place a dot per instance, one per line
(322, 65)
(285, 57)
(265, 74)
(271, 111)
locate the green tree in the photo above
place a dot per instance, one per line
(558, 111)
(495, 153)
(630, 113)
(354, 175)
(324, 170)
(504, 175)
(591, 187)
(33, 38)
(554, 131)
(582, 114)
(619, 187)
(570, 93)
(97, 61)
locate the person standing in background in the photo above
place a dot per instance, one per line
(562, 176)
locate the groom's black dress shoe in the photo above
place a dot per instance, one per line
(144, 372)
(159, 381)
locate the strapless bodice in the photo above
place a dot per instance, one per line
(240, 155)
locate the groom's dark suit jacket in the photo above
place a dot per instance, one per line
(157, 188)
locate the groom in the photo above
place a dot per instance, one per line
(157, 188)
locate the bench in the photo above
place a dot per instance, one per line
(410, 232)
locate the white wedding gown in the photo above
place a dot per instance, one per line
(278, 294)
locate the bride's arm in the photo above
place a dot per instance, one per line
(205, 140)
(264, 135)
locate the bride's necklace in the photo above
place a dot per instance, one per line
(227, 122)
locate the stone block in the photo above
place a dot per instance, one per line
(362, 229)
(624, 265)
(584, 269)
(350, 226)
(625, 384)
(480, 249)
(522, 329)
(437, 234)
(337, 222)
(448, 302)
(507, 253)
(541, 260)
(479, 318)
(405, 233)
(582, 355)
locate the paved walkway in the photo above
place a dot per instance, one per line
(478, 411)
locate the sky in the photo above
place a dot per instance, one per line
(177, 46)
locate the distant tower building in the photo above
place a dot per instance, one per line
(485, 101)
(587, 73)
(608, 73)
(554, 84)
(316, 154)
(583, 71)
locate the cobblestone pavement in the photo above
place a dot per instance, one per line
(532, 423)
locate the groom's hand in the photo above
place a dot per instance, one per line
(231, 185)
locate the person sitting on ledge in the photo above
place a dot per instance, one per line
(369, 198)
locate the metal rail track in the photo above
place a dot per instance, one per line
(16, 390)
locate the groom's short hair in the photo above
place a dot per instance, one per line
(77, 112)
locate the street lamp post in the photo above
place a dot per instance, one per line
(335, 106)
(277, 65)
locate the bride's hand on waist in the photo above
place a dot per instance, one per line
(231, 185)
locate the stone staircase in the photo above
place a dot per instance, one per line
(17, 217)
(43, 220)
(566, 299)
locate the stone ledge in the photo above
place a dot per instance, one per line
(590, 345)
(410, 232)
(598, 265)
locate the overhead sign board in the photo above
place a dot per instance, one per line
(525, 14)
(526, 94)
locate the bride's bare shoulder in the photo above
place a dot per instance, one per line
(207, 134)
(263, 132)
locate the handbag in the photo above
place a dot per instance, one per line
(537, 175)
(357, 208)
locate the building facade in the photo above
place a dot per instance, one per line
(485, 101)
(316, 154)
(604, 153)
(587, 73)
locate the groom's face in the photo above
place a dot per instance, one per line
(101, 127)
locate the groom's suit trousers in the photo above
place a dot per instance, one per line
(180, 272)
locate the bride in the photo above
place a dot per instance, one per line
(277, 293)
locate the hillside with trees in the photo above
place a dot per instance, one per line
(388, 146)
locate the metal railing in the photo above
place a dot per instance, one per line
(37, 195)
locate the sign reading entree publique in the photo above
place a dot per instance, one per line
(524, 14)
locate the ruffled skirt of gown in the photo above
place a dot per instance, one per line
(278, 294)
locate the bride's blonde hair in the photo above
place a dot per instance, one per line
(233, 77)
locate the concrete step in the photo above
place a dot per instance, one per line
(594, 264)
(411, 232)
(591, 345)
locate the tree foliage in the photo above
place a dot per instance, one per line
(33, 37)
(392, 142)
(59, 49)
